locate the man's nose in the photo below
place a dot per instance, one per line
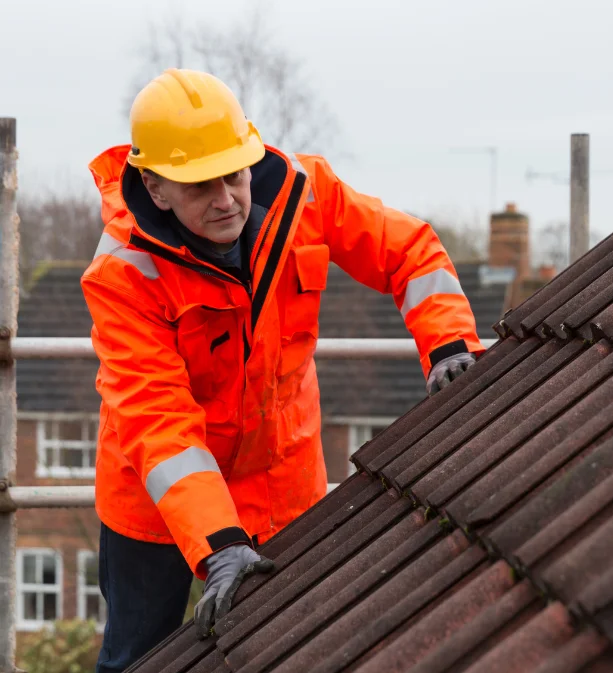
(222, 199)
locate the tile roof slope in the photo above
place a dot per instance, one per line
(55, 307)
(384, 387)
(477, 536)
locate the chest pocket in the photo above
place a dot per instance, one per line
(310, 263)
(207, 339)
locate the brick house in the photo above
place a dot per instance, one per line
(58, 405)
(57, 567)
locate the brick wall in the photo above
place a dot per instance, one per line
(335, 440)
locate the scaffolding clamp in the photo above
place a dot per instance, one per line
(6, 357)
(7, 504)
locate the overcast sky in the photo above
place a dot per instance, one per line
(409, 81)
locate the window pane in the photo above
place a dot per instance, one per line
(91, 571)
(49, 457)
(89, 457)
(93, 431)
(48, 429)
(49, 606)
(376, 429)
(29, 569)
(362, 435)
(92, 457)
(71, 457)
(92, 607)
(71, 430)
(48, 569)
(29, 605)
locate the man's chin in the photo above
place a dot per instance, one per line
(227, 234)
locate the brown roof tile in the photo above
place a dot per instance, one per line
(454, 652)
(339, 591)
(602, 325)
(512, 322)
(586, 305)
(530, 646)
(488, 586)
(492, 550)
(578, 652)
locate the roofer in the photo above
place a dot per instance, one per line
(205, 293)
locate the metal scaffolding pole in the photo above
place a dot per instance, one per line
(81, 347)
(43, 497)
(9, 296)
(579, 195)
(35, 497)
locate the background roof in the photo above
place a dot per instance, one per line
(385, 387)
(55, 307)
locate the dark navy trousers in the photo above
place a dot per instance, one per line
(146, 587)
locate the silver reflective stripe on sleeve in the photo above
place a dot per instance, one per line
(141, 260)
(165, 475)
(436, 282)
(300, 168)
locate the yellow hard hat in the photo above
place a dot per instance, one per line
(187, 126)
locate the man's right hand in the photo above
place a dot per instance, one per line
(226, 570)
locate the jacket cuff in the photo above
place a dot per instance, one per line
(442, 352)
(227, 537)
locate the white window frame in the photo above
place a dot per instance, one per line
(38, 588)
(44, 443)
(84, 590)
(360, 433)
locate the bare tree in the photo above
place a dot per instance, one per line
(56, 228)
(271, 85)
(553, 244)
(464, 241)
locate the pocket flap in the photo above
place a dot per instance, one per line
(312, 265)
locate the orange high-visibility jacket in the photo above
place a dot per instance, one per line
(210, 419)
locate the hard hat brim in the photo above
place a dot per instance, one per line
(209, 167)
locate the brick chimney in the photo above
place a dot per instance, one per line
(547, 272)
(510, 246)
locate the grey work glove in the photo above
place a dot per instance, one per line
(226, 570)
(445, 371)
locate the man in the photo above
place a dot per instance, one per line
(205, 293)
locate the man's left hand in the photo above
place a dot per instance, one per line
(447, 370)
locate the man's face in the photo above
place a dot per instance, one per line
(216, 209)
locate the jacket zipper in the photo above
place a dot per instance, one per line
(286, 220)
(266, 231)
(239, 439)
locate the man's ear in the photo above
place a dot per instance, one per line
(154, 185)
